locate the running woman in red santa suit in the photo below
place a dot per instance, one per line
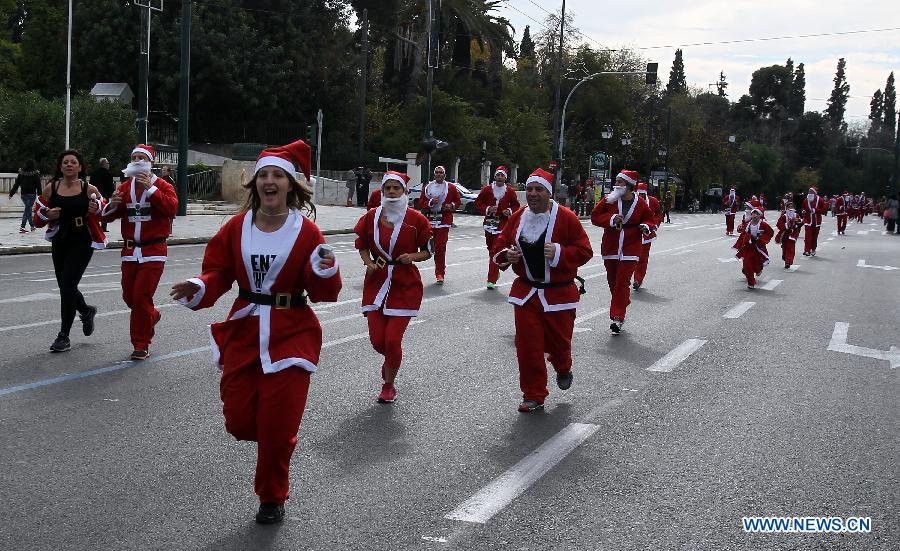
(751, 245)
(789, 224)
(842, 211)
(813, 209)
(146, 204)
(626, 221)
(647, 240)
(438, 200)
(732, 204)
(545, 244)
(497, 201)
(390, 238)
(269, 345)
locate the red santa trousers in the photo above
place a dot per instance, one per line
(729, 223)
(139, 282)
(493, 270)
(386, 336)
(264, 408)
(860, 214)
(842, 222)
(640, 271)
(753, 262)
(618, 276)
(810, 238)
(788, 249)
(440, 236)
(539, 333)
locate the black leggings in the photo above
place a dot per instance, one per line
(71, 255)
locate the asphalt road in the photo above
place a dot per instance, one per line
(758, 419)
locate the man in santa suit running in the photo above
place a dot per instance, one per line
(146, 204)
(626, 220)
(438, 200)
(813, 209)
(751, 246)
(732, 204)
(863, 206)
(788, 225)
(545, 244)
(497, 201)
(842, 211)
(647, 240)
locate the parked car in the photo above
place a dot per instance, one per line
(467, 195)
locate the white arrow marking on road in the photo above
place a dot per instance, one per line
(727, 260)
(862, 264)
(738, 310)
(671, 360)
(839, 344)
(501, 491)
(771, 284)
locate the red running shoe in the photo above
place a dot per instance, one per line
(388, 394)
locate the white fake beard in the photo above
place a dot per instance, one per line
(810, 197)
(394, 208)
(533, 225)
(499, 191)
(435, 189)
(135, 168)
(615, 194)
(790, 214)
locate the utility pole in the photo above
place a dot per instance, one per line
(362, 86)
(668, 150)
(144, 75)
(184, 94)
(557, 139)
(319, 119)
(432, 63)
(69, 78)
(896, 171)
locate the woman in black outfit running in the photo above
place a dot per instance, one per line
(69, 206)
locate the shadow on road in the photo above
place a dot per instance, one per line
(371, 436)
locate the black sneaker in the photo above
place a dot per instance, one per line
(616, 326)
(564, 380)
(636, 285)
(527, 406)
(87, 320)
(61, 344)
(270, 513)
(140, 354)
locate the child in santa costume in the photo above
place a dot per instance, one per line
(146, 204)
(782, 206)
(390, 238)
(842, 211)
(545, 244)
(813, 209)
(647, 240)
(438, 200)
(497, 201)
(626, 221)
(789, 224)
(270, 343)
(732, 204)
(751, 245)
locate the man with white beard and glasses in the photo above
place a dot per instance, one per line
(545, 244)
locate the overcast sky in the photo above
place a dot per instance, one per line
(641, 23)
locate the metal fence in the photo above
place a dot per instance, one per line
(205, 185)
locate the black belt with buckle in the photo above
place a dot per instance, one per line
(556, 284)
(381, 262)
(78, 222)
(281, 301)
(132, 244)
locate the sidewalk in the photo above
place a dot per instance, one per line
(194, 228)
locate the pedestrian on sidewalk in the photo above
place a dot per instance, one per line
(146, 204)
(892, 214)
(545, 244)
(813, 209)
(438, 200)
(751, 245)
(390, 239)
(70, 208)
(363, 176)
(626, 220)
(497, 201)
(788, 225)
(640, 271)
(270, 343)
(29, 180)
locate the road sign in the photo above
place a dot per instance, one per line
(598, 160)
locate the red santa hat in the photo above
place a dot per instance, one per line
(398, 176)
(146, 149)
(542, 177)
(757, 210)
(441, 167)
(814, 190)
(642, 188)
(501, 170)
(291, 158)
(630, 176)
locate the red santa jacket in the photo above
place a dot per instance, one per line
(397, 288)
(813, 211)
(437, 214)
(731, 205)
(573, 250)
(509, 203)
(146, 218)
(753, 239)
(624, 243)
(40, 219)
(788, 229)
(374, 200)
(287, 336)
(658, 216)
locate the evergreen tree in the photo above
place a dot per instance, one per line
(837, 103)
(677, 81)
(876, 113)
(526, 49)
(797, 99)
(890, 107)
(722, 85)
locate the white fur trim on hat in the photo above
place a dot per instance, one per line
(541, 180)
(627, 178)
(387, 177)
(145, 152)
(501, 171)
(280, 162)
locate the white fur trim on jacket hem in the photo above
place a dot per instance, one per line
(498, 263)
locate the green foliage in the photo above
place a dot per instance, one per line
(837, 103)
(797, 100)
(677, 81)
(526, 49)
(889, 107)
(770, 89)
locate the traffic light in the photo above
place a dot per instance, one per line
(312, 135)
(483, 152)
(652, 69)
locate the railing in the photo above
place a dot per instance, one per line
(206, 185)
(8, 180)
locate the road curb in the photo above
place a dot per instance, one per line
(37, 249)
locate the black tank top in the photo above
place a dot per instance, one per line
(534, 256)
(71, 207)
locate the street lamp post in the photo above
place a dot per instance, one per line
(607, 134)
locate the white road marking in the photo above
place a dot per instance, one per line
(501, 491)
(738, 310)
(794, 268)
(358, 336)
(671, 360)
(727, 260)
(592, 315)
(862, 264)
(581, 330)
(53, 322)
(481, 248)
(682, 252)
(84, 276)
(434, 539)
(838, 343)
(771, 284)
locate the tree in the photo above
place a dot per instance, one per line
(770, 90)
(526, 49)
(890, 107)
(722, 85)
(876, 114)
(837, 103)
(797, 99)
(677, 81)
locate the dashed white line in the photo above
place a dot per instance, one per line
(671, 360)
(592, 315)
(53, 322)
(771, 284)
(738, 310)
